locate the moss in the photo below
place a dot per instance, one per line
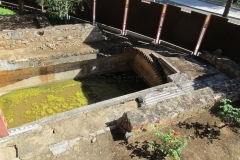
(30, 104)
(42, 101)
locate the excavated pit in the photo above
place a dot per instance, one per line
(29, 94)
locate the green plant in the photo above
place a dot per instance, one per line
(229, 112)
(172, 143)
(61, 8)
(6, 12)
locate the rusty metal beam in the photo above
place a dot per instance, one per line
(94, 12)
(125, 17)
(161, 23)
(201, 36)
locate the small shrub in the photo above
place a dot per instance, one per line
(172, 143)
(6, 12)
(229, 112)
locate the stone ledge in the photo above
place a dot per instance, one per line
(181, 106)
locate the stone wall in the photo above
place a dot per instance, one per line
(83, 65)
(182, 106)
(23, 22)
(17, 74)
(227, 66)
(64, 34)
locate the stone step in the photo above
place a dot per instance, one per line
(164, 90)
(154, 101)
(154, 95)
(162, 96)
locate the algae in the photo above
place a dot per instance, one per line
(30, 104)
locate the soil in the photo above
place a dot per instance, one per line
(209, 139)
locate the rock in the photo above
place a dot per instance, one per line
(217, 52)
(94, 140)
(128, 134)
(59, 148)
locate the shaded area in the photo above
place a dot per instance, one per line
(110, 12)
(222, 35)
(141, 150)
(143, 18)
(182, 28)
(102, 87)
(18, 22)
(208, 131)
(84, 11)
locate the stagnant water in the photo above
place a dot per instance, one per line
(27, 105)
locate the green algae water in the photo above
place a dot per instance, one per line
(30, 104)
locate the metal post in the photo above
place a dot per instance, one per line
(3, 126)
(161, 23)
(94, 12)
(204, 28)
(125, 17)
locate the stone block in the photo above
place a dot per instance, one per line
(14, 35)
(231, 70)
(6, 36)
(237, 73)
(218, 62)
(225, 66)
(59, 148)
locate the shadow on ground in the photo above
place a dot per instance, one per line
(211, 132)
(141, 150)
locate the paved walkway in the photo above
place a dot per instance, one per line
(209, 7)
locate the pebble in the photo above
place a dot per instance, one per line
(94, 140)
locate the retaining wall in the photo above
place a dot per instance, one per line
(83, 65)
(23, 22)
(65, 34)
(227, 66)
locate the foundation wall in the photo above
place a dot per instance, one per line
(88, 65)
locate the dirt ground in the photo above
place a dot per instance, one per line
(210, 139)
